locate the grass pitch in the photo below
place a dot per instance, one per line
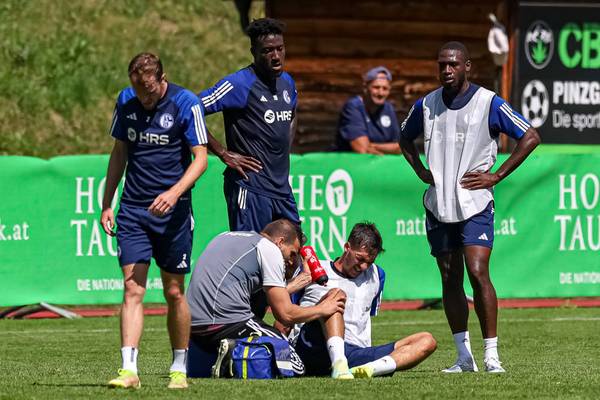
(548, 353)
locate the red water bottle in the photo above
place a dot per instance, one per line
(317, 272)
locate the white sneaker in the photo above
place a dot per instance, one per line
(493, 365)
(223, 366)
(462, 366)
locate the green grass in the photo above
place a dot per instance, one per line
(64, 62)
(568, 149)
(549, 354)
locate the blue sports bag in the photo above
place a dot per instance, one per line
(261, 357)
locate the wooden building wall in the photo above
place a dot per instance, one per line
(331, 43)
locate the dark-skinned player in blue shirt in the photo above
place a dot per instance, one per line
(258, 104)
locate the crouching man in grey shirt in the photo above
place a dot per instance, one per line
(233, 267)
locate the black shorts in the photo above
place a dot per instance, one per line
(209, 337)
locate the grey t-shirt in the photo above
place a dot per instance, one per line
(233, 266)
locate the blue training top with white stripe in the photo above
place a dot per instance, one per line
(158, 141)
(502, 117)
(257, 118)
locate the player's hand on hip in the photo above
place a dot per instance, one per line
(241, 163)
(426, 176)
(164, 203)
(478, 180)
(107, 219)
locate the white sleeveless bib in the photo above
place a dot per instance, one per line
(457, 142)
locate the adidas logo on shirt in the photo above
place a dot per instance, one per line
(263, 99)
(132, 117)
(483, 237)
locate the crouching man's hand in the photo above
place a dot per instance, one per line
(333, 301)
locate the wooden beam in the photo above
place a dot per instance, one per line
(382, 10)
(375, 29)
(411, 47)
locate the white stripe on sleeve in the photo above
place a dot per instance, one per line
(199, 125)
(516, 120)
(114, 121)
(217, 91)
(215, 99)
(217, 94)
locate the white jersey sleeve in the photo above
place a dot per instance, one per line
(271, 263)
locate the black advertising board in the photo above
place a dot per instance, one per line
(558, 79)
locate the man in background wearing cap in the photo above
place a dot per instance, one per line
(368, 122)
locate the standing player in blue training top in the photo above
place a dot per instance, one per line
(259, 107)
(157, 127)
(461, 123)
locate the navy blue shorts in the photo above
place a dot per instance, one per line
(447, 237)
(250, 211)
(312, 349)
(141, 236)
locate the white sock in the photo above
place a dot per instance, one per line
(463, 345)
(335, 348)
(179, 360)
(129, 357)
(490, 347)
(383, 366)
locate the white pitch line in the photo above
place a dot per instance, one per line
(72, 331)
(375, 323)
(509, 320)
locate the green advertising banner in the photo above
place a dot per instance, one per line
(547, 244)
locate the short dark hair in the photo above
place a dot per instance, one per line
(366, 235)
(286, 229)
(262, 27)
(146, 63)
(454, 45)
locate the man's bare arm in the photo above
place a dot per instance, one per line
(481, 180)
(411, 153)
(232, 159)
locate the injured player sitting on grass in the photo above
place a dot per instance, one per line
(355, 273)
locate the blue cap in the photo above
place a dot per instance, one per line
(374, 72)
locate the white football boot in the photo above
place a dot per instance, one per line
(462, 366)
(493, 365)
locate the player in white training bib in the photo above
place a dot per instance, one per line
(461, 123)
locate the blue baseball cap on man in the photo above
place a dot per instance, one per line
(373, 73)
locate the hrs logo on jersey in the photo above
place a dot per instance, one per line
(145, 137)
(270, 116)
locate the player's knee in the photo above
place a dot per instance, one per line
(479, 275)
(427, 343)
(133, 292)
(174, 293)
(338, 293)
(452, 280)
